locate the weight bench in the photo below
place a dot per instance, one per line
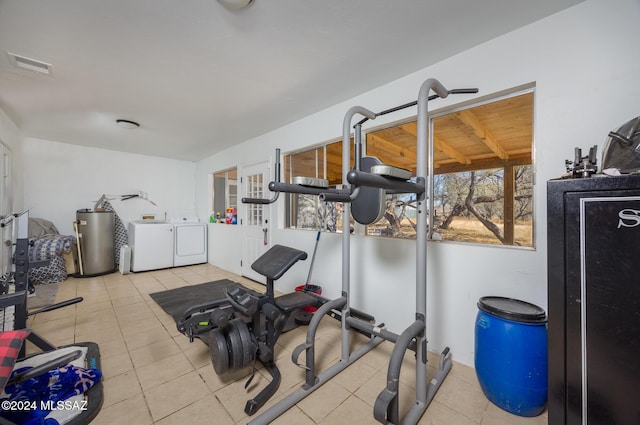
(273, 264)
(249, 330)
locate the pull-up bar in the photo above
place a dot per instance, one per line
(415, 102)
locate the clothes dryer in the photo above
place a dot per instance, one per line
(190, 246)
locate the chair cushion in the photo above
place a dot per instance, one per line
(10, 345)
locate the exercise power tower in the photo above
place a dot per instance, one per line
(363, 199)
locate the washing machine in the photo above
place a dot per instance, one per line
(151, 244)
(190, 241)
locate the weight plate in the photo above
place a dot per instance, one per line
(235, 342)
(218, 350)
(247, 346)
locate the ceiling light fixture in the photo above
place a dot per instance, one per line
(235, 4)
(128, 124)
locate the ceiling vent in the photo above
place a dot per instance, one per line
(31, 64)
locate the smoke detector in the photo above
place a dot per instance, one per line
(31, 64)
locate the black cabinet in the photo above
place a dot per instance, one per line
(593, 235)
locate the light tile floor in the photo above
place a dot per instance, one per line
(153, 375)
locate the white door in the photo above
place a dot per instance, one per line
(256, 223)
(6, 207)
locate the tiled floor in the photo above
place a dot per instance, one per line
(153, 375)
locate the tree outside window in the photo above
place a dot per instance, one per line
(483, 175)
(307, 211)
(483, 179)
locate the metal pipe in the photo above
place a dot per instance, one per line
(371, 329)
(340, 197)
(424, 145)
(274, 198)
(308, 346)
(261, 201)
(346, 223)
(297, 188)
(415, 102)
(361, 178)
(386, 404)
(357, 143)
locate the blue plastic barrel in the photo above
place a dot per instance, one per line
(511, 354)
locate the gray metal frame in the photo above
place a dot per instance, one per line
(414, 336)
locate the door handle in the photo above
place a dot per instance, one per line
(264, 231)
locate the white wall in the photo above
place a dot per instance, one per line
(584, 65)
(224, 246)
(61, 178)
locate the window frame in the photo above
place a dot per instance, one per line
(230, 185)
(473, 103)
(292, 200)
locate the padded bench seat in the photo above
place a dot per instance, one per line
(294, 300)
(277, 260)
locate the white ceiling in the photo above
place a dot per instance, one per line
(200, 78)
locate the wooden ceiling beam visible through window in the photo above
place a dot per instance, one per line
(377, 144)
(492, 135)
(438, 143)
(469, 119)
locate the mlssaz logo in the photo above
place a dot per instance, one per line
(629, 218)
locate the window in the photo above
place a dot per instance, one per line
(224, 191)
(306, 211)
(483, 175)
(254, 190)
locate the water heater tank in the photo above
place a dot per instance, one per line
(96, 230)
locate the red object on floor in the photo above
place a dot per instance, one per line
(311, 288)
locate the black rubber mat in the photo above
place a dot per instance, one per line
(176, 301)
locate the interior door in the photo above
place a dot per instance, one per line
(256, 223)
(6, 206)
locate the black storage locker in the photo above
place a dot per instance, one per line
(594, 300)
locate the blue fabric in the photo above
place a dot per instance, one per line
(54, 386)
